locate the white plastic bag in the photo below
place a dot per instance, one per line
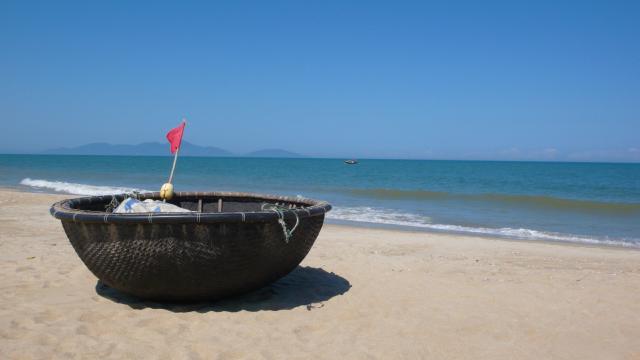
(131, 205)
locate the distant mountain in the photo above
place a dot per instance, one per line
(189, 149)
(273, 153)
(160, 149)
(144, 149)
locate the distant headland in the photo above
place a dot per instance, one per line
(160, 149)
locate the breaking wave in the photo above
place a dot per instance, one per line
(76, 189)
(390, 217)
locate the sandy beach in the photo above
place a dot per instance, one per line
(361, 293)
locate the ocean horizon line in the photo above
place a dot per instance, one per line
(312, 157)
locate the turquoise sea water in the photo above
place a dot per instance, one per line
(579, 202)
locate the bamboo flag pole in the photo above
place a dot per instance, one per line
(166, 191)
(173, 167)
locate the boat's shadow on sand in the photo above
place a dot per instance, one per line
(304, 286)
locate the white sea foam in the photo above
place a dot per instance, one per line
(391, 217)
(76, 189)
(371, 215)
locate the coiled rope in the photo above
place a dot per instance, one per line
(280, 211)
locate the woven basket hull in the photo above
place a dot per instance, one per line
(186, 261)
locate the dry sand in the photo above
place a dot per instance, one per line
(361, 293)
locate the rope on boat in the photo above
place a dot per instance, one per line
(280, 211)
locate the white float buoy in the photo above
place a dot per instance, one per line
(166, 191)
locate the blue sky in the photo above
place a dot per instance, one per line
(539, 80)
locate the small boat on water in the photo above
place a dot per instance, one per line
(351, 162)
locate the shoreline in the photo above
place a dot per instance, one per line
(406, 228)
(454, 234)
(394, 294)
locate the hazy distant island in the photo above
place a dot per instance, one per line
(160, 149)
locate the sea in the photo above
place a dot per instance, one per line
(592, 203)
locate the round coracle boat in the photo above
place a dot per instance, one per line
(229, 244)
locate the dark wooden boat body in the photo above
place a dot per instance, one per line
(227, 246)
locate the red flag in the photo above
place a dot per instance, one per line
(175, 137)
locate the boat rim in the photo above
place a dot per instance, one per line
(66, 210)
